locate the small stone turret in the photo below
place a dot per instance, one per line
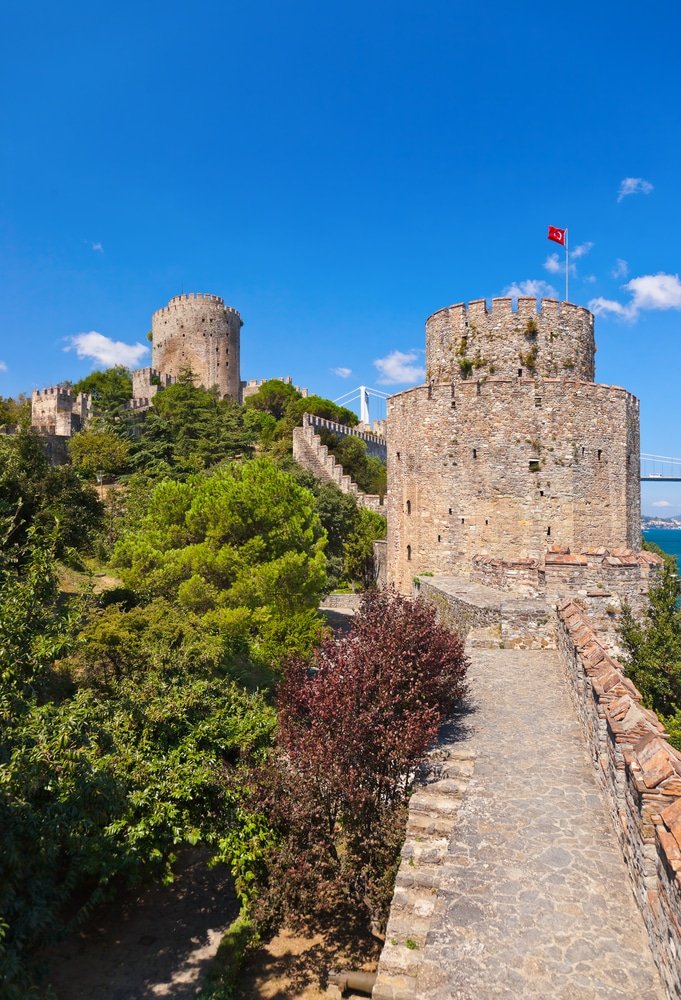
(470, 341)
(57, 411)
(201, 333)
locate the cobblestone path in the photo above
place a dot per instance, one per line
(533, 899)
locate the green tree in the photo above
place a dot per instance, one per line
(110, 389)
(34, 496)
(189, 429)
(14, 411)
(245, 537)
(359, 547)
(273, 397)
(98, 449)
(653, 645)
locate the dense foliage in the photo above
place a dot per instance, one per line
(352, 732)
(140, 720)
(652, 648)
(36, 497)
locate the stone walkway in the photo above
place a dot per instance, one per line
(532, 898)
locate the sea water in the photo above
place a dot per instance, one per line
(669, 539)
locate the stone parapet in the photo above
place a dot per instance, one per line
(540, 338)
(640, 773)
(376, 444)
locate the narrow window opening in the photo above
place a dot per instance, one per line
(537, 400)
(398, 456)
(548, 531)
(534, 465)
(462, 520)
(408, 507)
(520, 373)
(408, 553)
(600, 452)
(450, 510)
(486, 521)
(475, 453)
(541, 493)
(583, 451)
(439, 539)
(628, 461)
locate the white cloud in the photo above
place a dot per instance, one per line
(661, 503)
(3, 366)
(533, 287)
(581, 250)
(590, 279)
(400, 368)
(342, 372)
(97, 247)
(656, 291)
(601, 307)
(633, 185)
(105, 351)
(552, 264)
(650, 291)
(621, 269)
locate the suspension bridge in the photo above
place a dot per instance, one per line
(660, 469)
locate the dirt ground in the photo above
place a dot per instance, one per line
(292, 967)
(158, 943)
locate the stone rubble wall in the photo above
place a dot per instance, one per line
(556, 341)
(314, 456)
(517, 622)
(433, 808)
(640, 773)
(57, 411)
(508, 468)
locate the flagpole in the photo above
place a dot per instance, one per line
(566, 265)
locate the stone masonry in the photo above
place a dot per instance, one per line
(314, 456)
(57, 412)
(513, 453)
(201, 333)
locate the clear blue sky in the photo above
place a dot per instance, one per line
(338, 171)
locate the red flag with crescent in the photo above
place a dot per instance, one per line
(557, 235)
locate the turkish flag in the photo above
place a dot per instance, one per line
(557, 235)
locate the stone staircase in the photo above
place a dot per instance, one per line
(314, 456)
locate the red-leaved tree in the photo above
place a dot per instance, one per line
(353, 728)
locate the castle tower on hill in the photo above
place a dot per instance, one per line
(511, 452)
(199, 332)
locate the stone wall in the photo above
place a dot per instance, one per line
(640, 773)
(510, 621)
(375, 443)
(555, 342)
(146, 382)
(57, 411)
(201, 333)
(314, 456)
(507, 468)
(250, 387)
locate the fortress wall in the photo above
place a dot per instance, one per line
(201, 333)
(640, 773)
(314, 456)
(554, 341)
(508, 468)
(56, 411)
(375, 443)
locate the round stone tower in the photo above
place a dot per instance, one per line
(510, 450)
(201, 333)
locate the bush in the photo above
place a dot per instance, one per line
(353, 729)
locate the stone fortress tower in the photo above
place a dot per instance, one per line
(511, 459)
(199, 332)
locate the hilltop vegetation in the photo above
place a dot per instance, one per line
(143, 719)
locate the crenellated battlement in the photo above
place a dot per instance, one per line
(53, 391)
(193, 300)
(539, 338)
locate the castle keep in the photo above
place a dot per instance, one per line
(511, 460)
(201, 333)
